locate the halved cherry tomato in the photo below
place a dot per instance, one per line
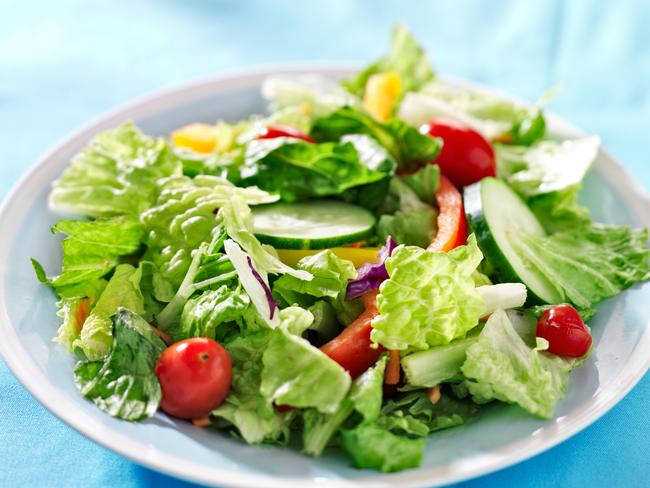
(465, 157)
(195, 376)
(352, 347)
(273, 131)
(566, 333)
(452, 224)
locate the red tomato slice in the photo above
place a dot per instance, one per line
(452, 224)
(273, 131)
(352, 347)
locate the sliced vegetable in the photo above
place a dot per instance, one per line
(452, 223)
(371, 275)
(353, 348)
(198, 137)
(381, 93)
(317, 224)
(566, 333)
(495, 213)
(274, 131)
(357, 255)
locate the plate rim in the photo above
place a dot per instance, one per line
(26, 371)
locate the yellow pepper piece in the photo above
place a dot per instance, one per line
(201, 138)
(358, 255)
(382, 90)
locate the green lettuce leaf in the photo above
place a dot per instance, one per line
(182, 218)
(548, 176)
(430, 298)
(325, 325)
(414, 414)
(331, 275)
(405, 57)
(501, 366)
(245, 408)
(122, 290)
(299, 375)
(405, 144)
(365, 397)
(414, 222)
(373, 447)
(92, 249)
(318, 95)
(212, 314)
(76, 301)
(124, 384)
(117, 173)
(424, 182)
(299, 170)
(588, 264)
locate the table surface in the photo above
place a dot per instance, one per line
(63, 63)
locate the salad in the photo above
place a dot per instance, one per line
(375, 259)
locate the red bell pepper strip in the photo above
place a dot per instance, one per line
(452, 224)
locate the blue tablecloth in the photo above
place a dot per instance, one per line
(64, 62)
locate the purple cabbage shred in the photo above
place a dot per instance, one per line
(371, 275)
(267, 291)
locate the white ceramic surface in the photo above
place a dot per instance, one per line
(500, 437)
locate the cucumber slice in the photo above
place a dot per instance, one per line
(317, 224)
(494, 211)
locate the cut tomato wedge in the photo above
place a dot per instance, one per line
(352, 348)
(452, 224)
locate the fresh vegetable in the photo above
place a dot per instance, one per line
(381, 93)
(275, 131)
(356, 255)
(317, 224)
(495, 212)
(201, 138)
(452, 224)
(353, 349)
(466, 157)
(429, 299)
(123, 383)
(371, 275)
(194, 375)
(566, 333)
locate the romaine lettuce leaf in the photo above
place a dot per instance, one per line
(414, 414)
(430, 298)
(588, 264)
(213, 313)
(501, 366)
(182, 218)
(331, 275)
(122, 290)
(92, 249)
(245, 408)
(365, 397)
(299, 375)
(124, 384)
(115, 174)
(372, 446)
(424, 182)
(405, 144)
(405, 57)
(74, 306)
(414, 222)
(299, 170)
(315, 95)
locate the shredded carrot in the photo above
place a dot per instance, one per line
(356, 245)
(505, 138)
(166, 339)
(201, 422)
(393, 372)
(82, 313)
(434, 394)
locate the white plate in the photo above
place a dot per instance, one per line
(501, 437)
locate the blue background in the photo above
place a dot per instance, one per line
(62, 63)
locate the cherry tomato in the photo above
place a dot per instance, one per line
(452, 224)
(565, 331)
(273, 131)
(195, 376)
(352, 347)
(466, 156)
